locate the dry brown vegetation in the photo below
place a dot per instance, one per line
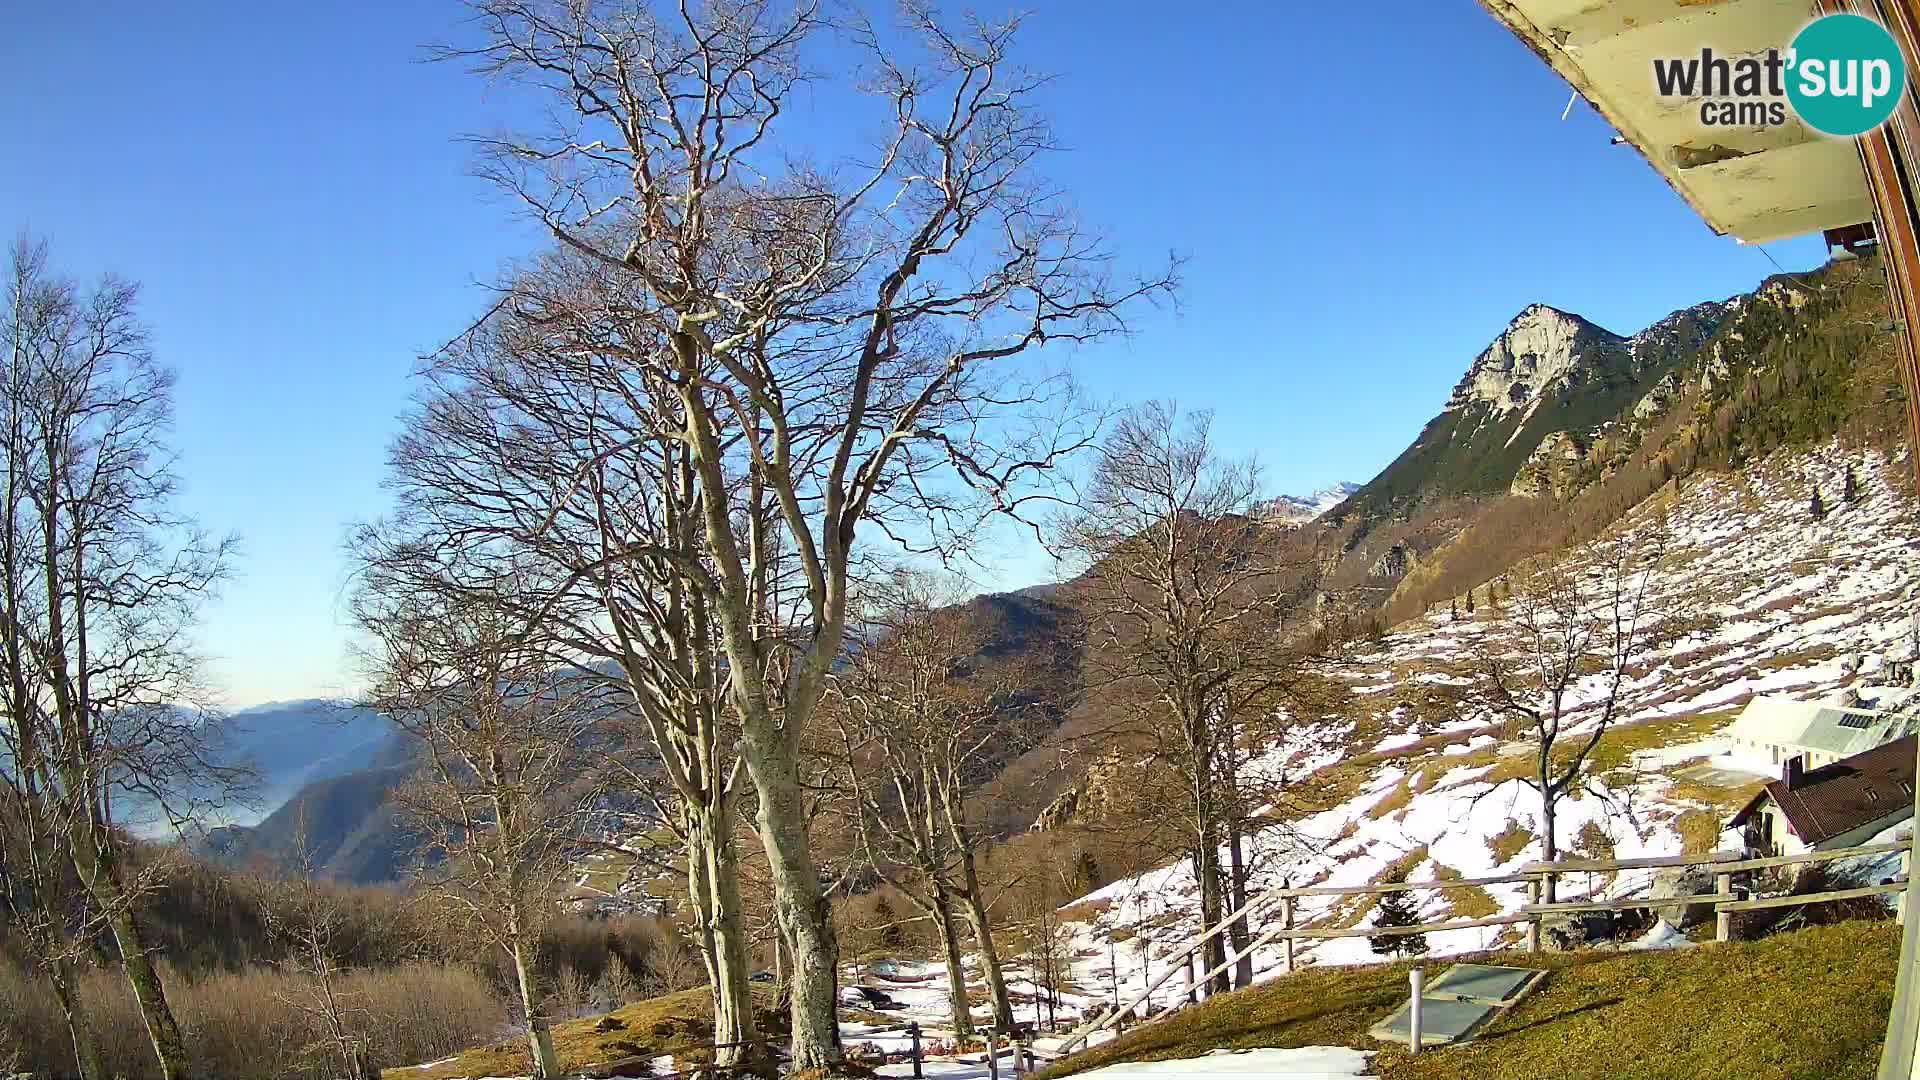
(249, 1024)
(678, 1024)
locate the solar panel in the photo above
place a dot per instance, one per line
(1858, 721)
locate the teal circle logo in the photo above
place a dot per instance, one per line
(1846, 75)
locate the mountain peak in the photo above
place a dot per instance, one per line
(1300, 509)
(1538, 350)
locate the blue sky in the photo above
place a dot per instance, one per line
(1365, 196)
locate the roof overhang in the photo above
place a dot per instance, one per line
(1756, 184)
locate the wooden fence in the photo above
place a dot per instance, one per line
(1541, 880)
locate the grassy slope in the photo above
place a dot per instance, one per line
(1809, 1005)
(676, 1024)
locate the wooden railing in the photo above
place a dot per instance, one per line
(1280, 905)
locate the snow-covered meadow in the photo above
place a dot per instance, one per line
(1792, 605)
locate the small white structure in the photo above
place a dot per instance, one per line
(1781, 728)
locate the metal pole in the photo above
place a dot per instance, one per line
(1418, 977)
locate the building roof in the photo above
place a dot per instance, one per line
(1841, 797)
(1818, 728)
(1757, 184)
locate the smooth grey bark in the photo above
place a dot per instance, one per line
(546, 1064)
(950, 950)
(800, 903)
(975, 906)
(714, 880)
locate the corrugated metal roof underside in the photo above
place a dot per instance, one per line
(1773, 182)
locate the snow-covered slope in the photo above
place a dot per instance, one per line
(1299, 509)
(1792, 604)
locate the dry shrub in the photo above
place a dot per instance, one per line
(251, 1024)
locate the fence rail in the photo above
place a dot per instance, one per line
(1540, 879)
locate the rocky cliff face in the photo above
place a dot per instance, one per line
(1541, 350)
(1551, 470)
(1548, 372)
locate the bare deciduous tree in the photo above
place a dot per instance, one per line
(1182, 600)
(100, 582)
(306, 918)
(924, 718)
(831, 334)
(537, 442)
(506, 737)
(1556, 656)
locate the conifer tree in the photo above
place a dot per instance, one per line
(1397, 909)
(1851, 493)
(1816, 507)
(1469, 601)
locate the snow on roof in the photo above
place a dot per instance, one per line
(1816, 727)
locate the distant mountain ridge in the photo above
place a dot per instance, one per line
(1547, 372)
(1299, 509)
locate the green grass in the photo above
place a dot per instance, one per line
(1810, 1005)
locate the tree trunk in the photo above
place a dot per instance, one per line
(982, 927)
(806, 919)
(546, 1065)
(99, 869)
(956, 972)
(1206, 870)
(64, 975)
(1549, 849)
(1237, 934)
(713, 873)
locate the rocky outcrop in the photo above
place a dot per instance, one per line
(1540, 350)
(1396, 563)
(1553, 469)
(1086, 800)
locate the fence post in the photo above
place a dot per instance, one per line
(1722, 918)
(1418, 977)
(1533, 924)
(1286, 916)
(1186, 966)
(913, 1032)
(1013, 1043)
(993, 1056)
